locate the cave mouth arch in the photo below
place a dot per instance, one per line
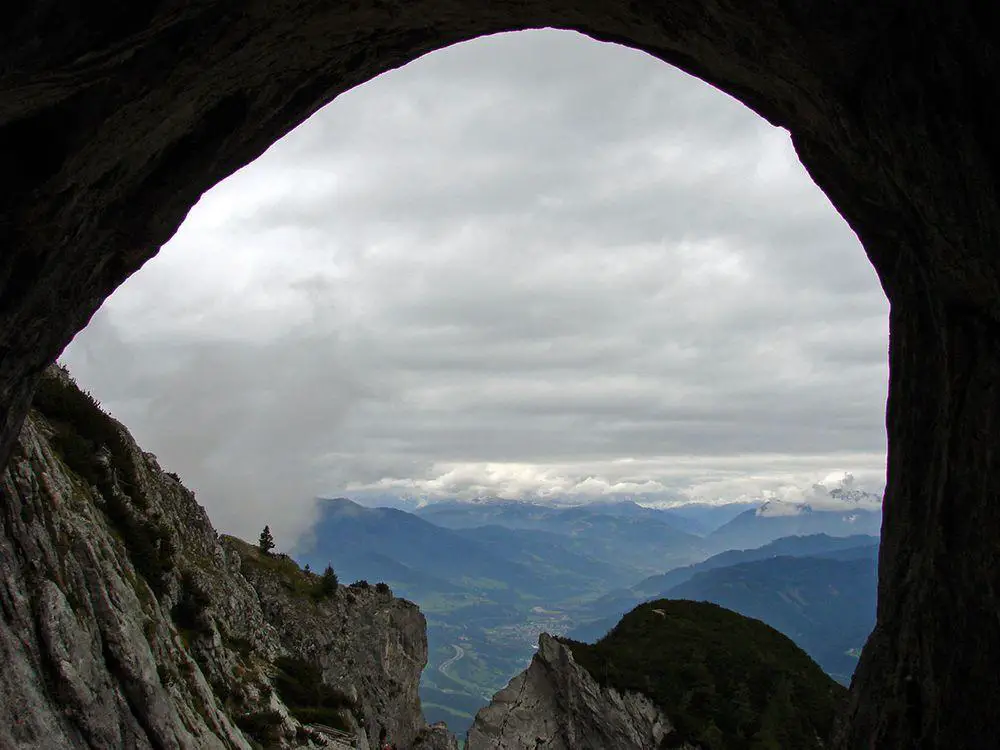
(625, 266)
(112, 125)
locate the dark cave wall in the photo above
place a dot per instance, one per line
(114, 120)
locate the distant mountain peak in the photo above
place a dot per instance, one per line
(839, 499)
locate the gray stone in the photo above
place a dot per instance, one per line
(555, 704)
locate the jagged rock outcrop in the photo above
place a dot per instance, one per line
(435, 737)
(125, 622)
(557, 705)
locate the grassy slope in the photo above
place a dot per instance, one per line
(727, 681)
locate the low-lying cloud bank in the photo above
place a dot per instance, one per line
(691, 480)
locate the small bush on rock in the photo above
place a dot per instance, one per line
(328, 583)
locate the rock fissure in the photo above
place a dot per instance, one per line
(510, 711)
(115, 668)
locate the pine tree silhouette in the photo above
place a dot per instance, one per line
(266, 542)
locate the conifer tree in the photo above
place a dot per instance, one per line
(328, 584)
(266, 542)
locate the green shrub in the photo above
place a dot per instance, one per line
(362, 584)
(383, 588)
(149, 545)
(222, 690)
(327, 585)
(165, 675)
(242, 646)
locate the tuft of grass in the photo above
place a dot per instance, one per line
(286, 571)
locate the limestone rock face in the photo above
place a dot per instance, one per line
(125, 622)
(369, 644)
(556, 704)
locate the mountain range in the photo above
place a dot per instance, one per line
(621, 534)
(420, 558)
(493, 574)
(827, 606)
(813, 545)
(823, 599)
(841, 514)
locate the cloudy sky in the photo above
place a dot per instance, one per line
(527, 265)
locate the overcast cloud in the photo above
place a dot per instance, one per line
(532, 264)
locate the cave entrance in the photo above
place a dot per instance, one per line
(527, 265)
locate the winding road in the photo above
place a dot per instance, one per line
(459, 653)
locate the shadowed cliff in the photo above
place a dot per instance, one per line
(127, 622)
